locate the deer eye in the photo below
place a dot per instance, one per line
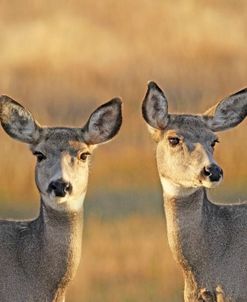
(173, 141)
(84, 155)
(214, 143)
(40, 156)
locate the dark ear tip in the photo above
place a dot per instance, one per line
(242, 91)
(153, 85)
(117, 101)
(4, 99)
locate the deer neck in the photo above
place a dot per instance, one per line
(185, 218)
(60, 244)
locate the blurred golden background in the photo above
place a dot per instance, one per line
(61, 59)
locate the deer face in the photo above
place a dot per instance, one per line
(61, 171)
(185, 153)
(62, 153)
(185, 143)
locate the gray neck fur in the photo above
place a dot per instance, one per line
(207, 240)
(209, 243)
(39, 257)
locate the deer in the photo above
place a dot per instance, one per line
(40, 257)
(208, 240)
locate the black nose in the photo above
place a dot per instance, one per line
(213, 171)
(60, 187)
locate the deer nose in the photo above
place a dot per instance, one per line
(60, 187)
(213, 171)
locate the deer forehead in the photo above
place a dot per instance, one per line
(55, 140)
(189, 127)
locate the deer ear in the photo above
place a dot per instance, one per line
(17, 121)
(104, 123)
(228, 113)
(155, 107)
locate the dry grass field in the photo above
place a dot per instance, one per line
(128, 260)
(61, 59)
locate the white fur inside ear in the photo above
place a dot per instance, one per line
(155, 107)
(99, 127)
(228, 113)
(104, 123)
(101, 122)
(18, 122)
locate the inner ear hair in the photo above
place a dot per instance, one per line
(227, 113)
(18, 121)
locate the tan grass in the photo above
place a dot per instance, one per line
(126, 260)
(62, 58)
(76, 55)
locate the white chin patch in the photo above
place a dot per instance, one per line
(66, 203)
(175, 190)
(211, 184)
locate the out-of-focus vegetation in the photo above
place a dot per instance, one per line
(62, 59)
(127, 261)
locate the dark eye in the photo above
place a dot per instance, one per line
(173, 141)
(214, 143)
(84, 155)
(40, 156)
